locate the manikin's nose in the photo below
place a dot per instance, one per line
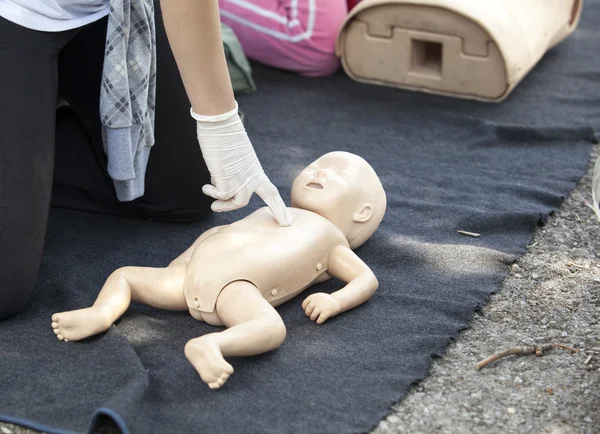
(321, 173)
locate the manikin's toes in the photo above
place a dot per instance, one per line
(79, 324)
(204, 353)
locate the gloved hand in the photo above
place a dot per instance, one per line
(235, 170)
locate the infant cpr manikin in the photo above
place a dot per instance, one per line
(235, 275)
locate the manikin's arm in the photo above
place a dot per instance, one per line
(194, 32)
(361, 285)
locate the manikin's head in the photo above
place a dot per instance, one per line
(343, 188)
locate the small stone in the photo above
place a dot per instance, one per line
(511, 410)
(587, 419)
(518, 380)
(564, 334)
(518, 275)
(393, 419)
(5, 430)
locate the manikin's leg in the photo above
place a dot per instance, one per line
(156, 287)
(254, 327)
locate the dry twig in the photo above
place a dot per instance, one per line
(538, 350)
(470, 234)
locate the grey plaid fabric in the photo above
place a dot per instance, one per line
(128, 94)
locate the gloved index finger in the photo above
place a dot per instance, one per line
(270, 195)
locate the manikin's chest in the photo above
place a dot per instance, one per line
(279, 261)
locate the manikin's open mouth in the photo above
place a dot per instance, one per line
(314, 186)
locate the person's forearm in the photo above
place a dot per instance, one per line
(194, 31)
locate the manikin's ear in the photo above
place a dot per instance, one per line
(364, 213)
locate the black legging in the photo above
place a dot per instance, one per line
(35, 69)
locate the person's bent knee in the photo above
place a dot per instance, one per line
(317, 58)
(18, 274)
(313, 54)
(323, 66)
(320, 49)
(15, 301)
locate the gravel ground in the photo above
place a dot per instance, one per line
(551, 296)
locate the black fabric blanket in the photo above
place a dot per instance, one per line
(446, 164)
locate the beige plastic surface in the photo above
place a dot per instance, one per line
(476, 49)
(235, 275)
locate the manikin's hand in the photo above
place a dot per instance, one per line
(235, 170)
(320, 307)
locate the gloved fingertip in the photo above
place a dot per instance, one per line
(283, 219)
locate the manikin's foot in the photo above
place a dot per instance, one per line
(80, 324)
(204, 353)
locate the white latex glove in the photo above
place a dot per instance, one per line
(235, 170)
